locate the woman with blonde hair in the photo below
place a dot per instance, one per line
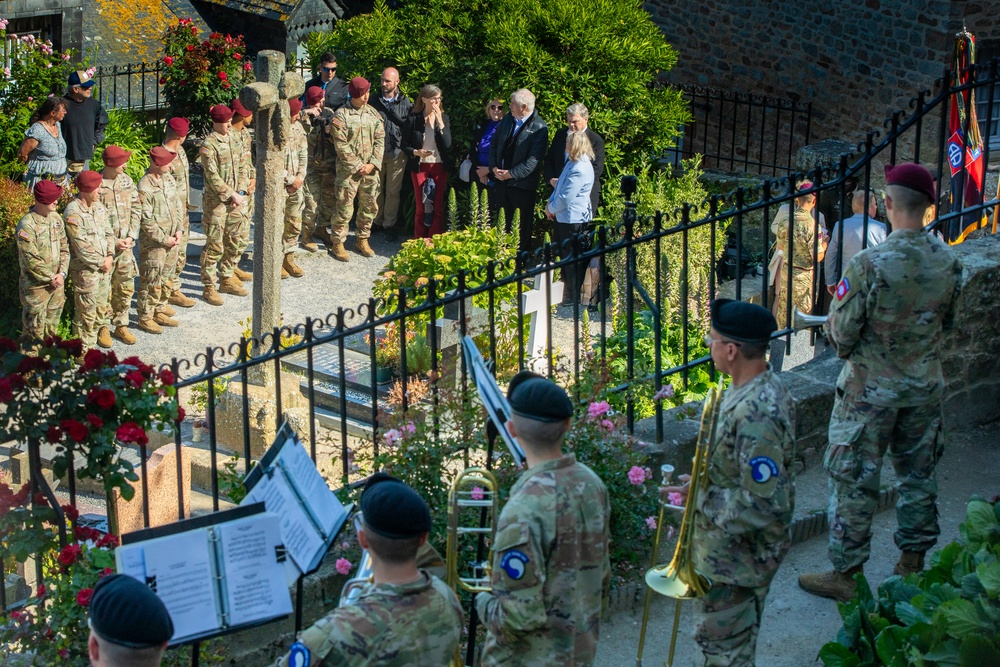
(570, 208)
(427, 142)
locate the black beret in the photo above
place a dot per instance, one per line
(741, 321)
(124, 611)
(392, 509)
(521, 377)
(540, 399)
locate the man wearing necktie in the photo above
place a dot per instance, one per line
(517, 154)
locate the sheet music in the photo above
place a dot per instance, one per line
(297, 532)
(183, 567)
(324, 504)
(492, 398)
(255, 586)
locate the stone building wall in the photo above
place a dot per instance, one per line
(66, 16)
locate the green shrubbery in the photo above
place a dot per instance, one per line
(127, 130)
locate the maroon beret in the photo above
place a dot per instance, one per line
(160, 156)
(220, 113)
(358, 86)
(115, 156)
(180, 126)
(239, 109)
(88, 181)
(47, 192)
(295, 105)
(913, 176)
(314, 94)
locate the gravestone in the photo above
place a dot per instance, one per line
(536, 303)
(449, 331)
(161, 482)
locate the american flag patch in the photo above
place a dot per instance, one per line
(24, 234)
(843, 287)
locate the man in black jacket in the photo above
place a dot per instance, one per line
(83, 126)
(577, 120)
(517, 153)
(334, 87)
(394, 106)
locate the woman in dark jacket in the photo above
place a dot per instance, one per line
(479, 153)
(428, 153)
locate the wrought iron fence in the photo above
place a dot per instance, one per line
(332, 359)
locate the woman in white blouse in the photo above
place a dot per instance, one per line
(429, 158)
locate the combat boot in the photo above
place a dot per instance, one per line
(232, 285)
(211, 296)
(149, 326)
(308, 243)
(323, 235)
(178, 299)
(910, 562)
(245, 276)
(362, 248)
(285, 274)
(124, 335)
(104, 338)
(337, 251)
(290, 267)
(167, 310)
(164, 320)
(837, 585)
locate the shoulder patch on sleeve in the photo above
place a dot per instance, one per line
(205, 150)
(24, 235)
(299, 655)
(72, 220)
(336, 121)
(513, 563)
(763, 469)
(843, 287)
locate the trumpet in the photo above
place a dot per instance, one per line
(801, 321)
(679, 579)
(352, 589)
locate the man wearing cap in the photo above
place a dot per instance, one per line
(296, 161)
(180, 169)
(92, 255)
(551, 566)
(406, 616)
(321, 172)
(394, 107)
(359, 139)
(121, 199)
(220, 155)
(743, 512)
(129, 624)
(160, 230)
(43, 257)
(891, 310)
(83, 126)
(240, 218)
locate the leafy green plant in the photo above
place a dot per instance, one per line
(231, 479)
(199, 393)
(126, 130)
(947, 615)
(15, 200)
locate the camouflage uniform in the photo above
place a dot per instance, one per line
(296, 159)
(239, 219)
(742, 518)
(161, 218)
(180, 169)
(551, 568)
(359, 138)
(892, 309)
(121, 198)
(91, 241)
(321, 176)
(412, 624)
(801, 262)
(219, 160)
(42, 252)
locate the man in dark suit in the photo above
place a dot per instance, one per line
(517, 153)
(333, 86)
(577, 119)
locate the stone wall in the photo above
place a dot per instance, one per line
(70, 21)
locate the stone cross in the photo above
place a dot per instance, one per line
(449, 332)
(533, 302)
(268, 100)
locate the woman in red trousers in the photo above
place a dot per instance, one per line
(427, 143)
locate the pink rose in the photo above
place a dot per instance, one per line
(599, 409)
(666, 391)
(477, 493)
(636, 475)
(409, 429)
(608, 425)
(392, 436)
(343, 566)
(675, 499)
(651, 522)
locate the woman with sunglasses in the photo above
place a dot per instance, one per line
(479, 153)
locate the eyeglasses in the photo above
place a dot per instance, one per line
(330, 69)
(708, 340)
(496, 107)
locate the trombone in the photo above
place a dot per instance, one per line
(801, 321)
(352, 589)
(679, 579)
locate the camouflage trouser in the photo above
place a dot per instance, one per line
(365, 188)
(175, 281)
(224, 230)
(123, 275)
(155, 272)
(243, 220)
(41, 308)
(390, 183)
(319, 191)
(860, 434)
(802, 293)
(91, 291)
(293, 220)
(726, 624)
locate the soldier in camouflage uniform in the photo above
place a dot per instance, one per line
(406, 617)
(121, 198)
(43, 256)
(801, 259)
(296, 159)
(745, 507)
(891, 310)
(180, 169)
(220, 154)
(240, 219)
(160, 230)
(92, 256)
(321, 172)
(551, 566)
(359, 138)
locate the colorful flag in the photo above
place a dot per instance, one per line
(965, 153)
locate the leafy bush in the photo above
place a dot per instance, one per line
(15, 200)
(199, 74)
(606, 57)
(947, 615)
(127, 130)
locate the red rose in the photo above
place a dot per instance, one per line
(131, 432)
(168, 61)
(40, 499)
(180, 414)
(77, 431)
(134, 378)
(247, 67)
(93, 360)
(183, 82)
(53, 434)
(73, 347)
(102, 398)
(163, 80)
(194, 31)
(84, 533)
(167, 376)
(71, 512)
(29, 364)
(6, 391)
(107, 541)
(107, 572)
(95, 421)
(226, 85)
(70, 554)
(237, 56)
(7, 345)
(190, 47)
(222, 76)
(41, 591)
(83, 597)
